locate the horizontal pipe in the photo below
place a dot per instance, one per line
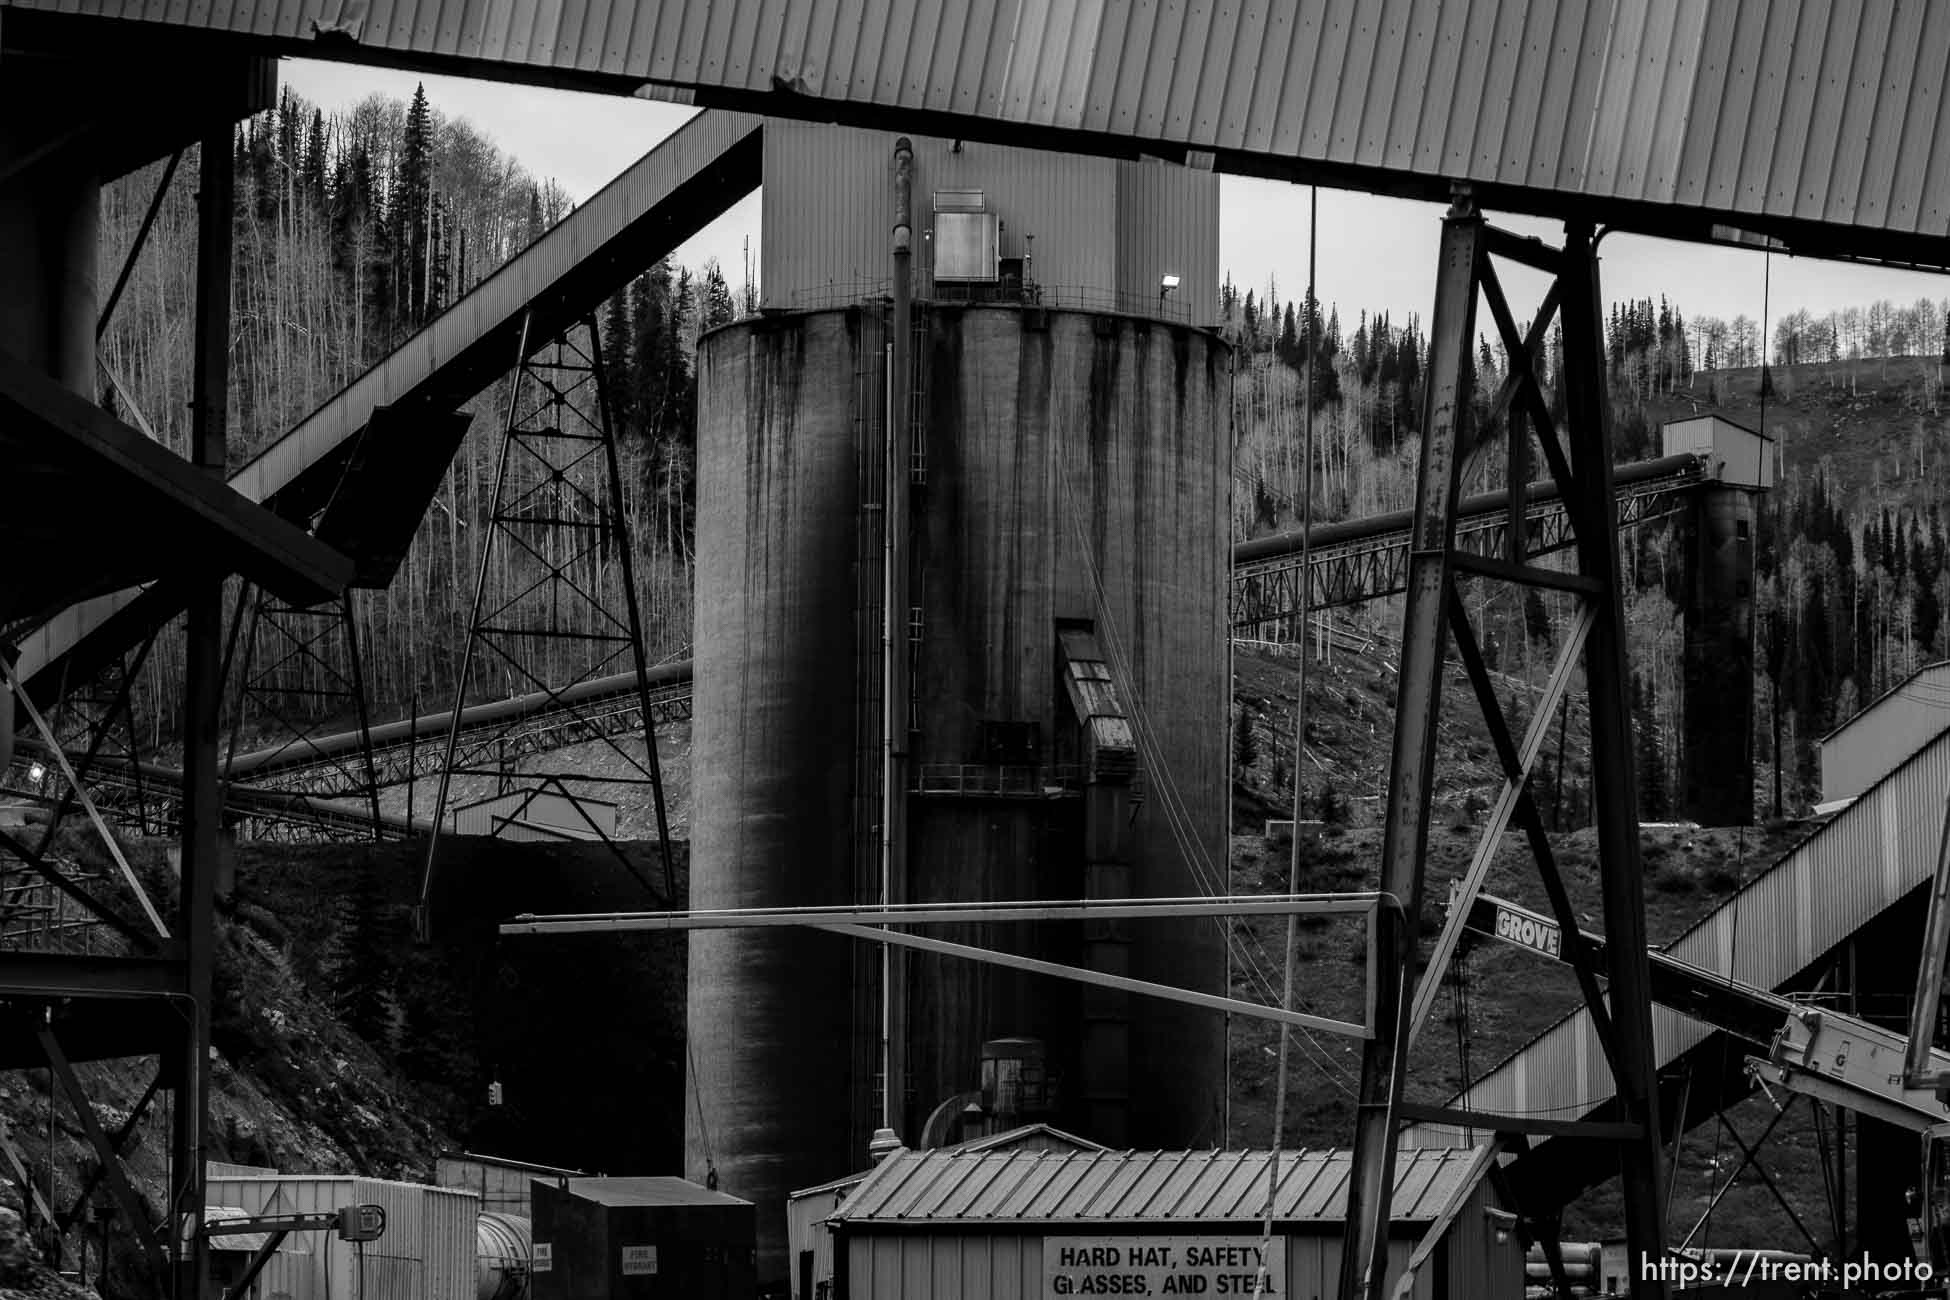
(1122, 983)
(732, 918)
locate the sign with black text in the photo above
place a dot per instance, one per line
(1520, 927)
(1161, 1266)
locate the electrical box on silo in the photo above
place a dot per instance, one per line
(641, 1239)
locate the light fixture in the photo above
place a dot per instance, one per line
(35, 772)
(1167, 284)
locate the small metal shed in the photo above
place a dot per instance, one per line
(427, 1252)
(810, 1242)
(944, 1225)
(641, 1239)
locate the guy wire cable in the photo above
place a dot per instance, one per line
(1260, 1279)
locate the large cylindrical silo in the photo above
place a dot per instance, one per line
(1068, 485)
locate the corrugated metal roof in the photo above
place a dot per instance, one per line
(1755, 113)
(1168, 1187)
(646, 1191)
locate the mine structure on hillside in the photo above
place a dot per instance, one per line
(964, 560)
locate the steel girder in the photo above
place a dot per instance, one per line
(1268, 596)
(1436, 558)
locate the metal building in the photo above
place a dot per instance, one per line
(1875, 742)
(811, 1238)
(1096, 233)
(934, 1225)
(1020, 632)
(426, 1253)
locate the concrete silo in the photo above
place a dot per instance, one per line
(1058, 651)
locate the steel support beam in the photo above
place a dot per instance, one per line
(72, 975)
(1917, 1070)
(1086, 909)
(202, 701)
(134, 1209)
(1416, 1113)
(1583, 478)
(120, 1141)
(1514, 787)
(1405, 831)
(1083, 975)
(1614, 783)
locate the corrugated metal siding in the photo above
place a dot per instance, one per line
(1828, 111)
(1843, 876)
(1009, 1266)
(503, 1189)
(427, 1252)
(1866, 748)
(828, 219)
(1138, 1186)
(1168, 224)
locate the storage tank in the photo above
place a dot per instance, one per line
(501, 1253)
(1070, 467)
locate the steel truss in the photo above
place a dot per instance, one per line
(558, 513)
(1267, 597)
(295, 681)
(1436, 563)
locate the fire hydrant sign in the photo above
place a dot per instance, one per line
(1161, 1266)
(639, 1261)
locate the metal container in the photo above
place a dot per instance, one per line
(427, 1252)
(941, 1225)
(640, 1239)
(1075, 464)
(502, 1249)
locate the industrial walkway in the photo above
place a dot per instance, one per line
(1774, 933)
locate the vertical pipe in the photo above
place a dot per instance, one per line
(202, 698)
(894, 615)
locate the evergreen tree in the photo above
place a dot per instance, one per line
(315, 166)
(410, 214)
(1245, 748)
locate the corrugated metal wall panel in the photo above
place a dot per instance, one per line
(1103, 232)
(427, 1252)
(1321, 81)
(1008, 1266)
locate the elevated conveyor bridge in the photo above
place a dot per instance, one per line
(1777, 934)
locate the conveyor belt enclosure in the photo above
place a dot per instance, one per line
(1817, 123)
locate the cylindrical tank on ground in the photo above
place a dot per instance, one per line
(502, 1248)
(1070, 468)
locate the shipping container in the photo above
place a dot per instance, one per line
(426, 1253)
(641, 1239)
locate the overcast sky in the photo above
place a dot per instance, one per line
(1373, 253)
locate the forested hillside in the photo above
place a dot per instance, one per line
(355, 228)
(1852, 578)
(352, 231)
